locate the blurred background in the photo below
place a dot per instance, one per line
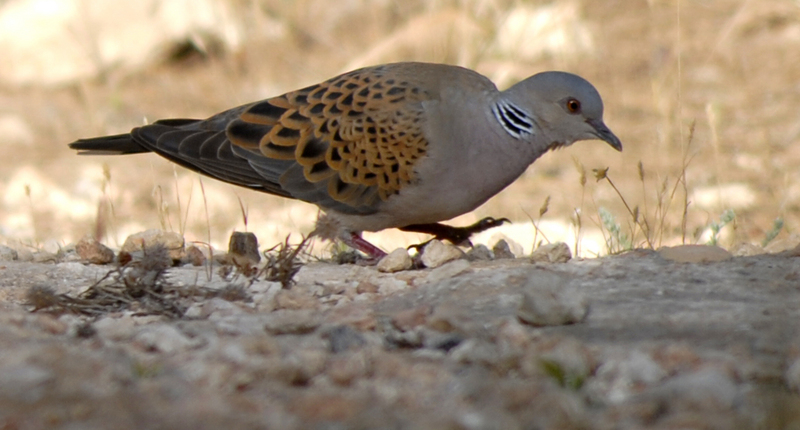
(705, 94)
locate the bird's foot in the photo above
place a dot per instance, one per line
(355, 241)
(455, 235)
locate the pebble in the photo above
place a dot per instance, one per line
(502, 250)
(552, 253)
(195, 256)
(396, 261)
(243, 249)
(480, 253)
(437, 253)
(50, 246)
(93, 252)
(137, 242)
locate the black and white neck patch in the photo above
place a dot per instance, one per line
(514, 120)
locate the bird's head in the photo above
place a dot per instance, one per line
(563, 106)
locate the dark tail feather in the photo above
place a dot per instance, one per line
(108, 145)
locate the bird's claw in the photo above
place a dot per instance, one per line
(455, 235)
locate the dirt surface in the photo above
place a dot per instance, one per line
(664, 345)
(704, 94)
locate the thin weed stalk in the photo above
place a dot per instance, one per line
(208, 222)
(601, 174)
(537, 231)
(244, 211)
(182, 220)
(578, 223)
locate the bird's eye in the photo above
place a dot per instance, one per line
(573, 106)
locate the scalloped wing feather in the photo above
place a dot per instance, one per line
(357, 137)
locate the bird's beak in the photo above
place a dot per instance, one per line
(603, 133)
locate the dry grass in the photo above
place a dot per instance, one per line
(138, 284)
(662, 66)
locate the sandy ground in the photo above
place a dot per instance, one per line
(706, 91)
(652, 344)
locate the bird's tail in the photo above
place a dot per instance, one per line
(125, 143)
(117, 144)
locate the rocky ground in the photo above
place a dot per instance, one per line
(703, 94)
(633, 341)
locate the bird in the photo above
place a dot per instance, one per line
(402, 145)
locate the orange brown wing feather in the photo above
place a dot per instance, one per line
(357, 136)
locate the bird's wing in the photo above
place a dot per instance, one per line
(346, 144)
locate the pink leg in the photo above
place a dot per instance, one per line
(355, 241)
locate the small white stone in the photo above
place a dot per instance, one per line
(137, 242)
(502, 250)
(52, 246)
(396, 261)
(480, 253)
(552, 253)
(437, 253)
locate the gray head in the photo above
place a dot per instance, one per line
(564, 107)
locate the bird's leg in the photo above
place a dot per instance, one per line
(355, 241)
(455, 235)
